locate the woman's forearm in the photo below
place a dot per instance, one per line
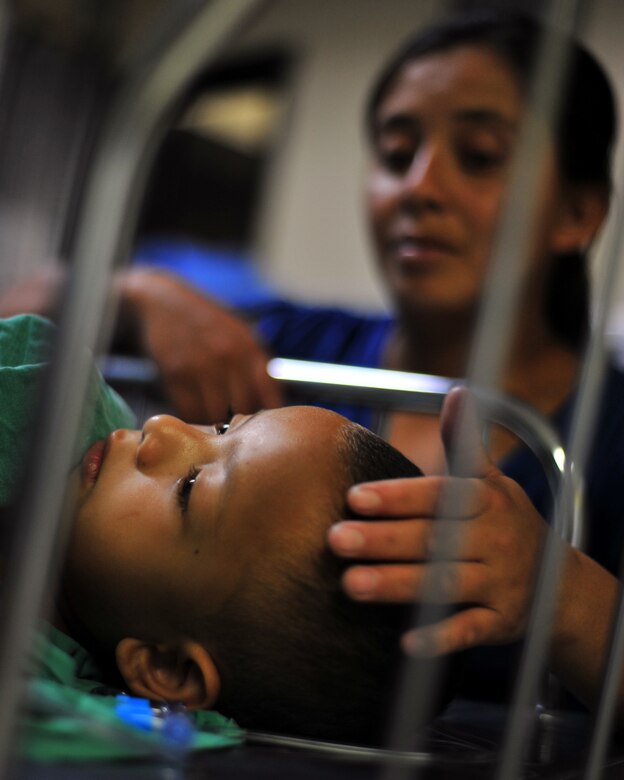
(587, 603)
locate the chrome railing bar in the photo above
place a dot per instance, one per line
(387, 389)
(492, 339)
(607, 706)
(582, 427)
(590, 388)
(521, 720)
(117, 179)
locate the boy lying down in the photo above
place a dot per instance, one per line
(198, 571)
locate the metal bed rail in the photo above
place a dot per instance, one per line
(173, 55)
(385, 389)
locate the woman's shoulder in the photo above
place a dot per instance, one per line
(324, 333)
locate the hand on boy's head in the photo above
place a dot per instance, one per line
(497, 538)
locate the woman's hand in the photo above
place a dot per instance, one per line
(209, 359)
(490, 565)
(489, 568)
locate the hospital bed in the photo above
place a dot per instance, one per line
(463, 743)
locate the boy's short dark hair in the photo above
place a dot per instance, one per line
(316, 663)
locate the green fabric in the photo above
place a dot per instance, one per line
(64, 720)
(25, 345)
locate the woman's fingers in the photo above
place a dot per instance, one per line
(400, 540)
(417, 497)
(465, 629)
(461, 434)
(437, 583)
(404, 540)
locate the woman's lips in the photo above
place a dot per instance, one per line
(92, 461)
(421, 249)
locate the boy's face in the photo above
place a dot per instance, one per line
(175, 520)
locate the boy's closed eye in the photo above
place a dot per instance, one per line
(186, 484)
(185, 487)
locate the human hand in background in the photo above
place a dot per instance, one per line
(489, 567)
(209, 359)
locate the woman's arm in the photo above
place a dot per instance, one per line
(209, 358)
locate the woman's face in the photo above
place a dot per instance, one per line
(443, 142)
(174, 520)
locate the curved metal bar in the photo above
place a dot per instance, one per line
(374, 755)
(590, 386)
(424, 393)
(493, 334)
(385, 389)
(116, 181)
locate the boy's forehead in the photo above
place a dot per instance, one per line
(290, 456)
(310, 435)
(305, 427)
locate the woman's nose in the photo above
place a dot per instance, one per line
(163, 438)
(423, 183)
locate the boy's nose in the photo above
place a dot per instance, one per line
(164, 438)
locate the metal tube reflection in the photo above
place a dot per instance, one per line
(117, 179)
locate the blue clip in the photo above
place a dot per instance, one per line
(169, 720)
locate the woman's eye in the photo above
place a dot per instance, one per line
(479, 161)
(395, 157)
(185, 488)
(397, 162)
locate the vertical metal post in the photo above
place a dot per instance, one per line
(492, 338)
(117, 179)
(594, 368)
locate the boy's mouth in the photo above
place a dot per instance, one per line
(92, 461)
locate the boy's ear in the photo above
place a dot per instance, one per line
(184, 672)
(581, 215)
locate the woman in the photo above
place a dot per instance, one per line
(443, 120)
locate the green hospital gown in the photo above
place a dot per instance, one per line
(25, 346)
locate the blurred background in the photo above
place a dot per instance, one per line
(265, 154)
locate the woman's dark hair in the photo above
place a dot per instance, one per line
(307, 660)
(584, 132)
